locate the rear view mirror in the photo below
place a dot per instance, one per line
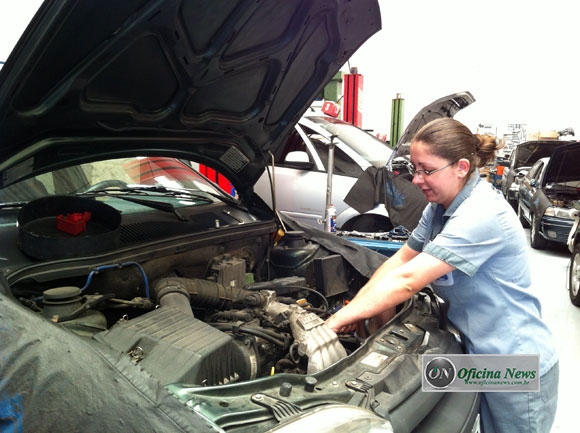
(298, 159)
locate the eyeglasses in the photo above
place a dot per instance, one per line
(419, 172)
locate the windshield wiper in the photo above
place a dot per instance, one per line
(159, 205)
(175, 192)
(146, 190)
(15, 204)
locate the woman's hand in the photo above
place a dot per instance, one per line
(374, 323)
(334, 323)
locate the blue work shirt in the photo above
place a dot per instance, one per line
(489, 291)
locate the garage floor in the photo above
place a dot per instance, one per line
(550, 282)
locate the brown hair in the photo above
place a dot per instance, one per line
(452, 140)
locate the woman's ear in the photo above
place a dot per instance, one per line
(463, 165)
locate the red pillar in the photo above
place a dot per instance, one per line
(353, 85)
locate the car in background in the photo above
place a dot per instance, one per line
(549, 195)
(301, 169)
(137, 296)
(301, 166)
(520, 161)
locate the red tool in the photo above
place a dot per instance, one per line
(73, 223)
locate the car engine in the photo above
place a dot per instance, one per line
(210, 323)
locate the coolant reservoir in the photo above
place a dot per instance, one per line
(61, 302)
(292, 254)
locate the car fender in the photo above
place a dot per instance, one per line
(538, 204)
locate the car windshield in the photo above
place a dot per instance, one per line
(150, 176)
(370, 148)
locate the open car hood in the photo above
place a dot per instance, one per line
(563, 166)
(216, 81)
(448, 106)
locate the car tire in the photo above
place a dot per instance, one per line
(574, 281)
(521, 216)
(536, 240)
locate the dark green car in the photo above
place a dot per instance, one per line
(137, 296)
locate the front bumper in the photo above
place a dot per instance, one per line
(556, 229)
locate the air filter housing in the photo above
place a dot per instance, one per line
(177, 348)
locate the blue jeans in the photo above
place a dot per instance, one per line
(522, 412)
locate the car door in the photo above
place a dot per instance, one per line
(508, 174)
(529, 186)
(345, 173)
(296, 170)
(301, 190)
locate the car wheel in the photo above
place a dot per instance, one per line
(522, 218)
(536, 239)
(574, 283)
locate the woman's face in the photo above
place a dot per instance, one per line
(443, 185)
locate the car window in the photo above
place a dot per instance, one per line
(113, 173)
(539, 171)
(343, 164)
(534, 171)
(513, 159)
(294, 143)
(369, 147)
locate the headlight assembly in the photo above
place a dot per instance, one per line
(337, 419)
(560, 212)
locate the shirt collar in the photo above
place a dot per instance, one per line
(463, 194)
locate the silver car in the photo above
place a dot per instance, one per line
(300, 172)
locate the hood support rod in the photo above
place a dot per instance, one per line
(330, 171)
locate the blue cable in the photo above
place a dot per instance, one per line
(118, 266)
(105, 267)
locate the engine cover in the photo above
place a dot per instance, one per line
(177, 348)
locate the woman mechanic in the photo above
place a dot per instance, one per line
(471, 248)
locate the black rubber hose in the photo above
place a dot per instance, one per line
(170, 292)
(86, 306)
(273, 334)
(204, 293)
(252, 331)
(243, 316)
(308, 289)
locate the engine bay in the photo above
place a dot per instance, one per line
(230, 322)
(234, 311)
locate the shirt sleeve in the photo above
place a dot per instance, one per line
(469, 239)
(417, 238)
